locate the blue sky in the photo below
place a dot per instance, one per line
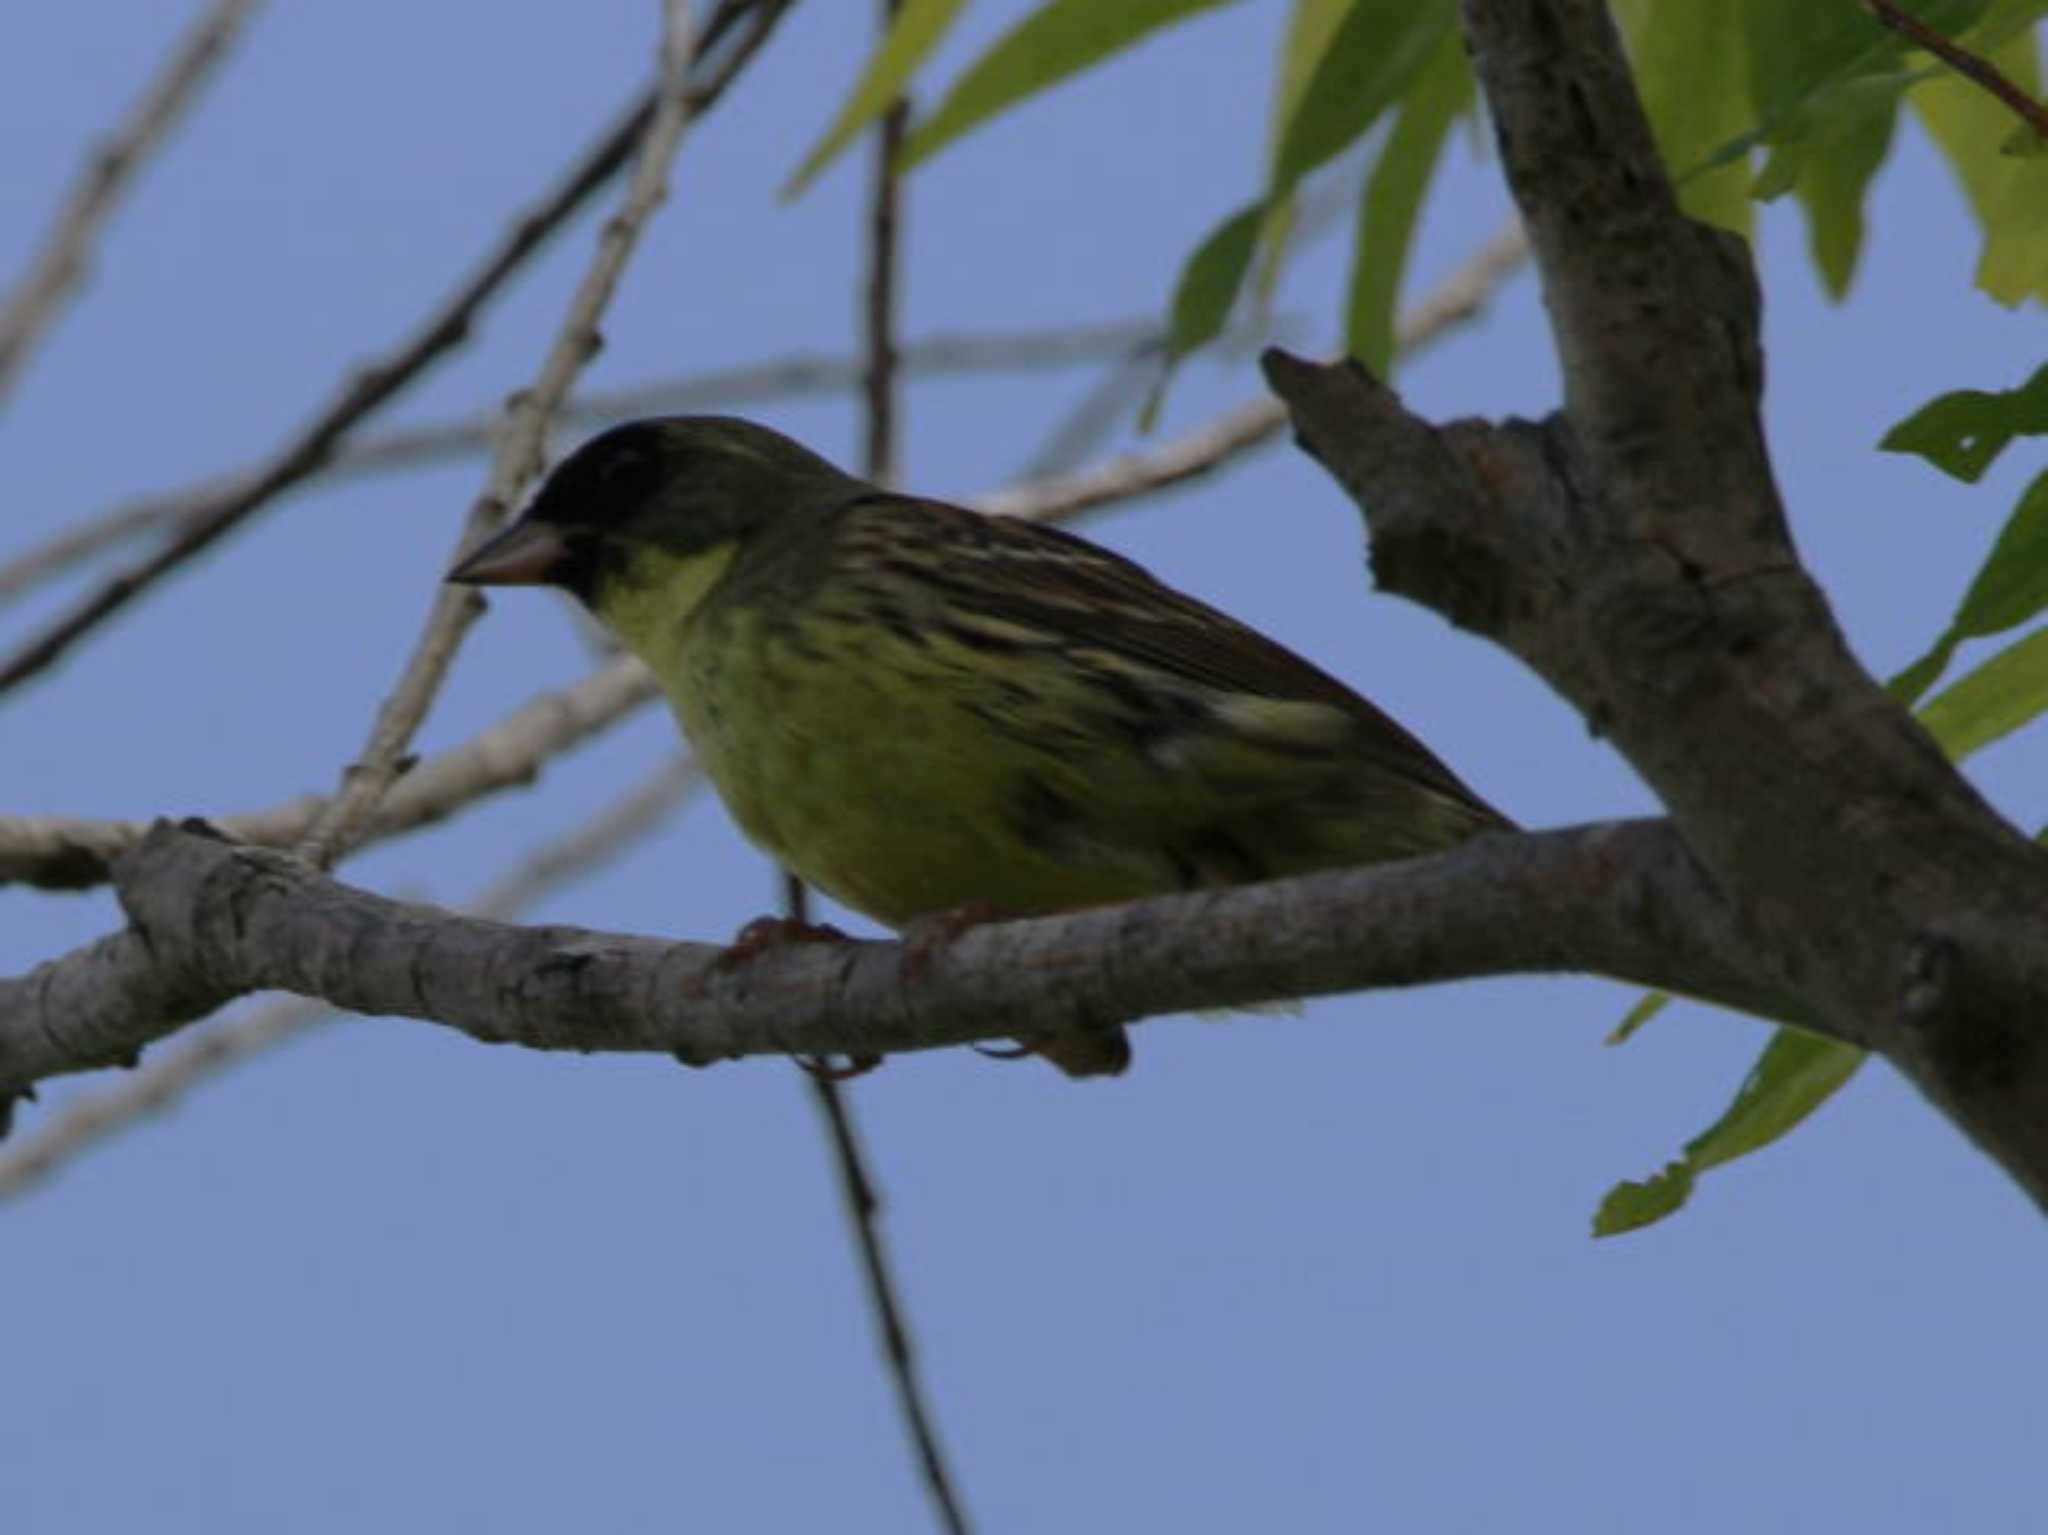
(1326, 1272)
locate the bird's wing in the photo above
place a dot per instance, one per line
(1035, 585)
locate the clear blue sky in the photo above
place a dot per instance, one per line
(1321, 1273)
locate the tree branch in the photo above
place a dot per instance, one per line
(376, 384)
(1633, 550)
(517, 458)
(1972, 66)
(210, 921)
(800, 374)
(152, 1088)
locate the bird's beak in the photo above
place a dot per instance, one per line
(525, 554)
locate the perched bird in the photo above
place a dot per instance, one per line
(923, 710)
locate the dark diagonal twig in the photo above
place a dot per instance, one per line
(377, 383)
(857, 1184)
(1973, 66)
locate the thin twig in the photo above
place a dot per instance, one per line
(858, 1186)
(879, 460)
(74, 853)
(373, 386)
(409, 447)
(63, 260)
(864, 1209)
(518, 457)
(90, 1118)
(1457, 299)
(1972, 66)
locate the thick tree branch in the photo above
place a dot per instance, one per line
(211, 921)
(1633, 550)
(88, 1119)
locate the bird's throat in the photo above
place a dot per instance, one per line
(649, 603)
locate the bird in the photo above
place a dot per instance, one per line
(923, 710)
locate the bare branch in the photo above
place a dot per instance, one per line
(61, 264)
(211, 921)
(71, 853)
(150, 1089)
(1459, 298)
(410, 447)
(858, 1187)
(376, 384)
(517, 459)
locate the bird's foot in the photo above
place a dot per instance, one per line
(765, 933)
(822, 1068)
(1086, 1051)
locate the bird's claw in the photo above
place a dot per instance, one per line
(1005, 1052)
(820, 1068)
(765, 933)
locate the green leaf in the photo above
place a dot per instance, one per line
(1207, 289)
(1058, 40)
(1808, 62)
(1963, 431)
(1847, 147)
(1378, 50)
(1689, 69)
(1797, 51)
(1393, 198)
(915, 32)
(1632, 1206)
(2008, 192)
(1648, 1006)
(1795, 1075)
(1916, 679)
(2005, 20)
(1372, 58)
(1990, 703)
(1308, 33)
(2012, 585)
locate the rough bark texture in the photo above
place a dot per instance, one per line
(1633, 550)
(211, 920)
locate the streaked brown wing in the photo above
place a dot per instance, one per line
(1042, 579)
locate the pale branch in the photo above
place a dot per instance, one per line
(211, 921)
(1459, 298)
(1633, 550)
(157, 1085)
(73, 853)
(517, 457)
(61, 264)
(371, 386)
(402, 448)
